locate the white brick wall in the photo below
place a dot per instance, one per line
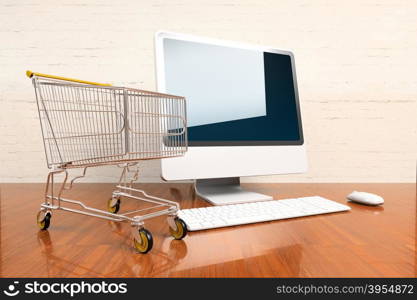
(356, 64)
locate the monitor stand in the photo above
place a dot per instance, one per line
(222, 191)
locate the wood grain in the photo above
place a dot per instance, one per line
(366, 242)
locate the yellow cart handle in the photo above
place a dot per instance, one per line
(30, 74)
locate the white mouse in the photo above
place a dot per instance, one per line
(365, 198)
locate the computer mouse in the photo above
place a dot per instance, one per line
(365, 198)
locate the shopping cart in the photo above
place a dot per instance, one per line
(87, 124)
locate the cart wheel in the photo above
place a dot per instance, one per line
(181, 231)
(43, 219)
(115, 207)
(146, 243)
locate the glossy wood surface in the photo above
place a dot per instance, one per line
(365, 242)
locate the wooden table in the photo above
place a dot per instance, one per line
(366, 242)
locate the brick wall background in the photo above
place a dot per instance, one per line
(356, 65)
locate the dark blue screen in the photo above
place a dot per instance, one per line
(281, 125)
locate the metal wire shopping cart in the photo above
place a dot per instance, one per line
(86, 124)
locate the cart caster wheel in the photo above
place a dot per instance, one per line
(181, 231)
(43, 219)
(115, 207)
(145, 245)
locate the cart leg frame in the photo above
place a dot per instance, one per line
(53, 200)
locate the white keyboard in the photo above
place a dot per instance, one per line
(238, 214)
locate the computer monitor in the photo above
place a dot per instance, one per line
(243, 113)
